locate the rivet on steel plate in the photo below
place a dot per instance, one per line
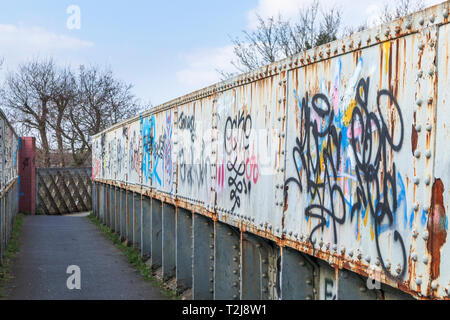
(211, 268)
(434, 285)
(362, 289)
(308, 281)
(334, 247)
(416, 180)
(420, 74)
(211, 257)
(415, 233)
(430, 72)
(408, 25)
(367, 259)
(430, 100)
(342, 250)
(428, 127)
(350, 253)
(308, 297)
(419, 102)
(426, 208)
(211, 290)
(417, 154)
(432, 18)
(398, 269)
(418, 127)
(414, 256)
(416, 206)
(235, 296)
(388, 265)
(421, 21)
(425, 235)
(418, 281)
(425, 260)
(445, 13)
(427, 179)
(420, 46)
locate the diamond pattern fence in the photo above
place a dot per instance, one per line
(63, 190)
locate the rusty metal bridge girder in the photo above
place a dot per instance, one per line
(332, 154)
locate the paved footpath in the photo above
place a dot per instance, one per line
(49, 244)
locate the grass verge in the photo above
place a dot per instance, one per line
(10, 252)
(134, 258)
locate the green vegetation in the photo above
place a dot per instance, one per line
(134, 258)
(11, 250)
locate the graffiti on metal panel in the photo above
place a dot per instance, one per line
(241, 164)
(148, 134)
(194, 163)
(336, 150)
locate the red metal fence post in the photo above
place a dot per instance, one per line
(27, 175)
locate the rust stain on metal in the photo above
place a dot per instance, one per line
(414, 137)
(436, 228)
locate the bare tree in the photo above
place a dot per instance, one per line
(63, 98)
(28, 93)
(65, 108)
(277, 38)
(400, 9)
(102, 101)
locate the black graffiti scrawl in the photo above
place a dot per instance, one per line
(321, 150)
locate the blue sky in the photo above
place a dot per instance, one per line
(164, 48)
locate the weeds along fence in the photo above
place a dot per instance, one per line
(321, 176)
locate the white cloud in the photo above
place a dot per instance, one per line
(202, 65)
(19, 43)
(270, 8)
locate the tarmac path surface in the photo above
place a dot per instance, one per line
(50, 244)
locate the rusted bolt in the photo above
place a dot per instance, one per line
(388, 265)
(430, 72)
(425, 235)
(417, 154)
(434, 285)
(429, 126)
(425, 260)
(427, 179)
(415, 233)
(408, 25)
(445, 13)
(420, 46)
(416, 206)
(418, 281)
(414, 256)
(430, 100)
(342, 250)
(416, 180)
(398, 269)
(419, 102)
(367, 259)
(350, 253)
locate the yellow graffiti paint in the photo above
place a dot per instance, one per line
(386, 47)
(348, 113)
